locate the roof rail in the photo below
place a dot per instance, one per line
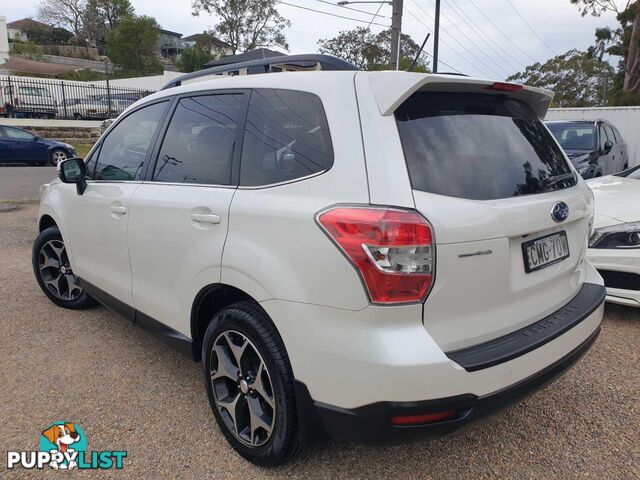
(264, 65)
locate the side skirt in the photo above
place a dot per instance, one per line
(167, 334)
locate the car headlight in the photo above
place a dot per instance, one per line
(623, 235)
(70, 147)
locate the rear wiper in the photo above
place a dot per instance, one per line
(555, 179)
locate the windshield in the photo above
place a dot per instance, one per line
(478, 146)
(575, 136)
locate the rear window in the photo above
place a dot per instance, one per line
(575, 136)
(478, 146)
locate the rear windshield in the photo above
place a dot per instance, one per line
(575, 136)
(478, 146)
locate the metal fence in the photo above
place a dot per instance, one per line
(25, 97)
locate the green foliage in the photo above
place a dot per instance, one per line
(26, 48)
(370, 51)
(192, 59)
(132, 45)
(576, 77)
(83, 75)
(45, 34)
(246, 24)
(102, 16)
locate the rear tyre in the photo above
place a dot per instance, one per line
(54, 274)
(56, 156)
(249, 383)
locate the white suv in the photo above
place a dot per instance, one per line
(365, 256)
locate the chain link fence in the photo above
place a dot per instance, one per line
(25, 97)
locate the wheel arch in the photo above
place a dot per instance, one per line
(46, 221)
(210, 300)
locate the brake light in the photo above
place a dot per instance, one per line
(505, 87)
(392, 250)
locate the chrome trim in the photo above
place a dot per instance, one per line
(286, 182)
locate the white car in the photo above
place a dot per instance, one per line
(84, 109)
(614, 248)
(367, 256)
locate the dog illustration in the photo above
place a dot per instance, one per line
(62, 436)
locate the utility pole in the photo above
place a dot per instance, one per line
(396, 30)
(436, 37)
(606, 88)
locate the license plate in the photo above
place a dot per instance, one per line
(545, 251)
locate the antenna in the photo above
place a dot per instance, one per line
(415, 60)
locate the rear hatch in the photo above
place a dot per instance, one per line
(487, 174)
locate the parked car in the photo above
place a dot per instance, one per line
(84, 108)
(27, 101)
(595, 148)
(369, 256)
(20, 146)
(614, 247)
(121, 101)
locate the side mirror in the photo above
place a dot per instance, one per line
(607, 147)
(36, 138)
(73, 170)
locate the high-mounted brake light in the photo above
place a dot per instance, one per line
(505, 87)
(392, 250)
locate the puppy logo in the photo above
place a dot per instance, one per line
(63, 436)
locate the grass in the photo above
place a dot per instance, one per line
(82, 149)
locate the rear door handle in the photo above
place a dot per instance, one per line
(206, 218)
(115, 209)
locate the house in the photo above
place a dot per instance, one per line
(4, 41)
(170, 44)
(209, 43)
(17, 30)
(245, 57)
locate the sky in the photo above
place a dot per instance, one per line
(485, 38)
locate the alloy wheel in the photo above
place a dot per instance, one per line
(242, 388)
(57, 157)
(56, 273)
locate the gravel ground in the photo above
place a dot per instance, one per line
(131, 392)
(23, 182)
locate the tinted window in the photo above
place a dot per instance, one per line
(199, 143)
(574, 136)
(17, 134)
(90, 163)
(286, 137)
(478, 146)
(125, 148)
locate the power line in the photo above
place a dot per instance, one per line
(374, 17)
(482, 35)
(331, 14)
(502, 33)
(462, 32)
(531, 28)
(481, 70)
(354, 9)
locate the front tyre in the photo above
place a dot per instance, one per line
(56, 156)
(53, 271)
(249, 383)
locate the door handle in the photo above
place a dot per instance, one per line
(206, 218)
(115, 209)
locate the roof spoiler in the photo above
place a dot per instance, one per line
(391, 89)
(265, 65)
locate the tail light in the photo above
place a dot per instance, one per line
(422, 419)
(391, 249)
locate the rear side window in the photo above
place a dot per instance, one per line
(610, 135)
(286, 137)
(199, 143)
(124, 150)
(478, 146)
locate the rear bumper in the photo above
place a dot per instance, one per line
(371, 425)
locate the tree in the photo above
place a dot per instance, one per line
(246, 24)
(133, 43)
(192, 59)
(370, 51)
(577, 78)
(102, 16)
(624, 41)
(67, 14)
(46, 34)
